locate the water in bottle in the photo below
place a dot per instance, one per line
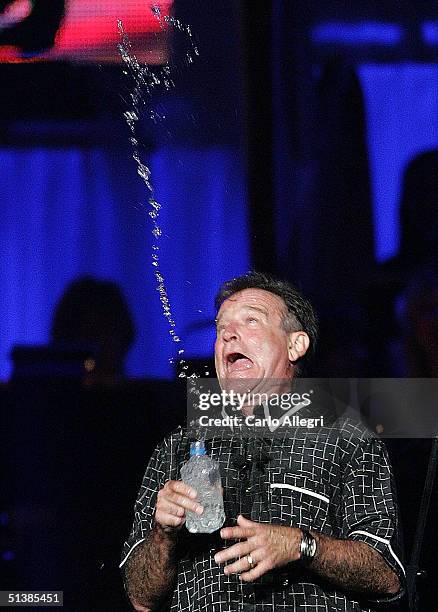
(202, 473)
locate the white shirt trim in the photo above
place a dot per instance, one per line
(384, 541)
(130, 551)
(284, 485)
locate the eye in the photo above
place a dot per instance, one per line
(252, 320)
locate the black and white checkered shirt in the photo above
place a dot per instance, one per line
(336, 481)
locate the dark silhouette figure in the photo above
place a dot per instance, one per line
(415, 355)
(65, 444)
(331, 245)
(37, 32)
(94, 314)
(418, 319)
(419, 210)
(418, 248)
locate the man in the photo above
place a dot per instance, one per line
(316, 517)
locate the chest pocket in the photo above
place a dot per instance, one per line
(299, 501)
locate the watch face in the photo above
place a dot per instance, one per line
(313, 546)
(307, 547)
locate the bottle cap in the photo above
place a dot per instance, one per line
(197, 448)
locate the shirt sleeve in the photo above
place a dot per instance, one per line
(159, 470)
(370, 505)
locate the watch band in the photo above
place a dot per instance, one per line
(307, 547)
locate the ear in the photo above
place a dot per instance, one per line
(297, 345)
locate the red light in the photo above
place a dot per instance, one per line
(89, 31)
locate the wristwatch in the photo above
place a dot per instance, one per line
(307, 547)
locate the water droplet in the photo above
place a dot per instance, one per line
(131, 116)
(145, 80)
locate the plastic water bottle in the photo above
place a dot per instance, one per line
(202, 473)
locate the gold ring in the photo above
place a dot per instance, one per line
(250, 561)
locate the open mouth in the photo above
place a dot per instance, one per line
(238, 362)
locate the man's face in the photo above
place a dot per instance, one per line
(251, 341)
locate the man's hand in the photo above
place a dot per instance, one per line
(269, 546)
(151, 568)
(172, 502)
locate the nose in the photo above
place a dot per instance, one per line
(230, 332)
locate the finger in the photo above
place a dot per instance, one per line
(179, 500)
(236, 533)
(233, 552)
(241, 565)
(238, 567)
(164, 505)
(246, 523)
(169, 520)
(186, 503)
(178, 486)
(252, 574)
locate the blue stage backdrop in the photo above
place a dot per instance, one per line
(73, 211)
(401, 101)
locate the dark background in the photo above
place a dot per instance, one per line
(303, 142)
